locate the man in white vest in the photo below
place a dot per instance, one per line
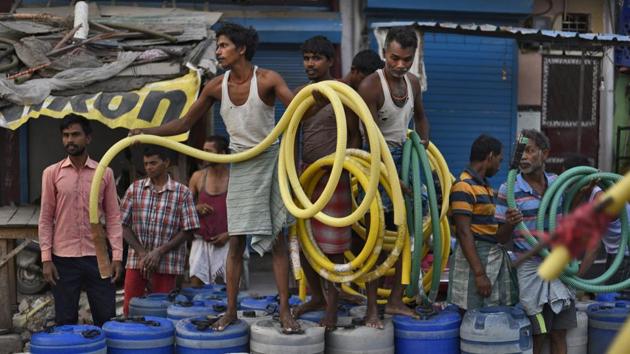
(247, 95)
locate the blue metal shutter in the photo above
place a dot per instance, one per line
(284, 59)
(472, 89)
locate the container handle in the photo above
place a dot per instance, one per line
(271, 308)
(91, 333)
(137, 319)
(173, 294)
(202, 325)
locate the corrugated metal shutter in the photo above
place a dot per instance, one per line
(471, 90)
(284, 59)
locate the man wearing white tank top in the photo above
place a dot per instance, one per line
(393, 96)
(254, 207)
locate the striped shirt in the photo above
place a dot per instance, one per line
(472, 196)
(527, 202)
(156, 217)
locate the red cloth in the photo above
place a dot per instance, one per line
(135, 285)
(333, 240)
(581, 230)
(214, 223)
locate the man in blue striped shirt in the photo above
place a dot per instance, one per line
(549, 305)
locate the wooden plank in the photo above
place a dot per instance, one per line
(16, 250)
(12, 280)
(6, 213)
(22, 216)
(6, 310)
(14, 233)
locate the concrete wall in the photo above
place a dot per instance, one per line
(530, 62)
(529, 79)
(593, 7)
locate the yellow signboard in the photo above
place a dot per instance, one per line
(152, 105)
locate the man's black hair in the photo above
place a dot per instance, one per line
(483, 146)
(319, 45)
(367, 61)
(155, 150)
(220, 141)
(575, 160)
(241, 37)
(76, 119)
(541, 140)
(405, 36)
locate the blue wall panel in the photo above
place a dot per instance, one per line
(292, 29)
(471, 90)
(492, 6)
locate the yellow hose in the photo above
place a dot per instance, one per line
(379, 159)
(439, 165)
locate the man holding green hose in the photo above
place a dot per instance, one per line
(254, 205)
(394, 97)
(549, 305)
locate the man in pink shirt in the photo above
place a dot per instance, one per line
(65, 239)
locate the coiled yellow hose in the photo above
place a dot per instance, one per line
(438, 165)
(339, 95)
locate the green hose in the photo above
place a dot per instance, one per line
(564, 190)
(414, 154)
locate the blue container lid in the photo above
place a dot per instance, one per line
(317, 316)
(606, 297)
(200, 328)
(139, 328)
(442, 320)
(313, 316)
(201, 303)
(161, 300)
(219, 296)
(609, 311)
(209, 296)
(191, 292)
(294, 300)
(258, 302)
(198, 307)
(68, 335)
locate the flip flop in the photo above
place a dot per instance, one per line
(328, 329)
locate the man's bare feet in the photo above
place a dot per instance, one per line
(353, 299)
(312, 305)
(399, 308)
(289, 324)
(329, 322)
(372, 319)
(224, 321)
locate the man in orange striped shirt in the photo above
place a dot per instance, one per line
(480, 273)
